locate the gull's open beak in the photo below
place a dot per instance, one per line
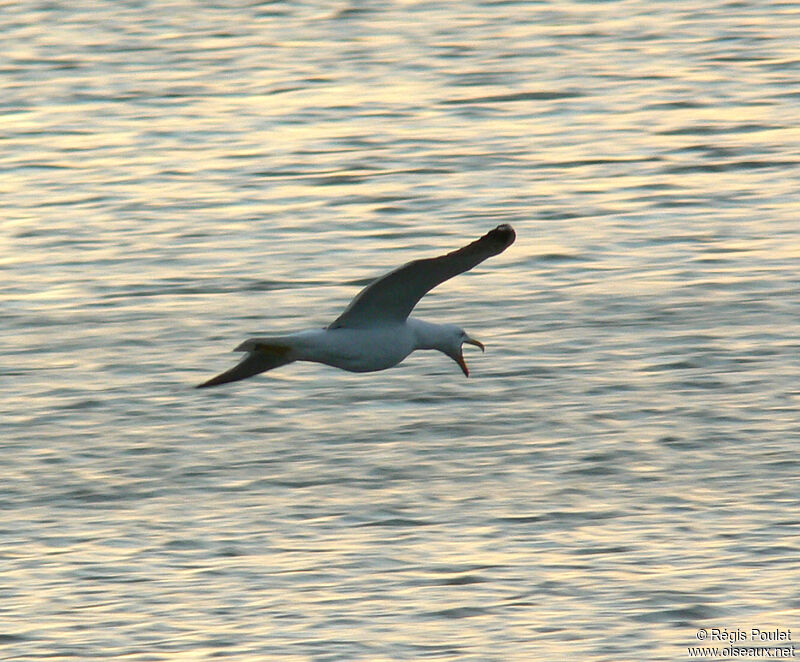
(460, 358)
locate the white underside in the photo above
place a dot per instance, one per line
(359, 349)
(356, 350)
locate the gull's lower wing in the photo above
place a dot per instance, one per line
(260, 358)
(392, 297)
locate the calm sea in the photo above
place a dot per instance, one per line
(619, 472)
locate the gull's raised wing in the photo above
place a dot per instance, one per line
(392, 297)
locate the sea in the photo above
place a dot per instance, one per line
(618, 477)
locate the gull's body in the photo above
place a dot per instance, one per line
(374, 332)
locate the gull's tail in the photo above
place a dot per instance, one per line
(262, 355)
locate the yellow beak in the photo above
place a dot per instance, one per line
(460, 358)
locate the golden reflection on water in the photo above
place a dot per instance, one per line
(614, 473)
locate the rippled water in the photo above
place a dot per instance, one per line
(619, 471)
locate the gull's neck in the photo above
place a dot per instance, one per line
(427, 335)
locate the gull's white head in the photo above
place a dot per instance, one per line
(451, 344)
(447, 338)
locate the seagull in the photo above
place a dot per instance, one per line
(375, 331)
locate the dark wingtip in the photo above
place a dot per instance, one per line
(497, 240)
(503, 234)
(224, 378)
(216, 381)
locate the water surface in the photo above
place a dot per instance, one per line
(621, 467)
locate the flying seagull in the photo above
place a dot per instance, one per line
(375, 331)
